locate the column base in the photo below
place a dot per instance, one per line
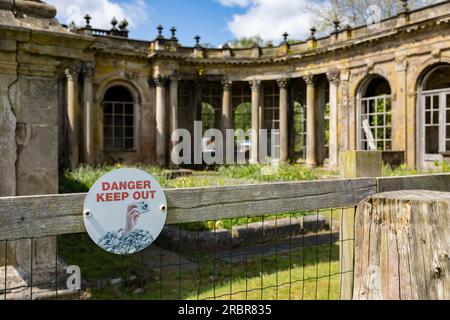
(311, 165)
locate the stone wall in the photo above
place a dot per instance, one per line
(34, 51)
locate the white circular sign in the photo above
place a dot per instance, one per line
(125, 211)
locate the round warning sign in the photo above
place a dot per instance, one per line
(125, 211)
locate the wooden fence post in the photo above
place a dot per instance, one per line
(401, 246)
(354, 164)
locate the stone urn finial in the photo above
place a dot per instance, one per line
(197, 40)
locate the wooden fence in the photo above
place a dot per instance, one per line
(52, 215)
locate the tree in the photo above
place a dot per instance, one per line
(355, 12)
(243, 116)
(246, 42)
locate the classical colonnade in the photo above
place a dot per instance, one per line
(168, 119)
(314, 116)
(73, 110)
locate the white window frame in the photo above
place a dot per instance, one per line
(124, 127)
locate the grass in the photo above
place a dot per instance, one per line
(309, 273)
(404, 170)
(94, 262)
(266, 173)
(302, 273)
(82, 178)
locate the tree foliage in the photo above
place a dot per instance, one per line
(246, 42)
(355, 12)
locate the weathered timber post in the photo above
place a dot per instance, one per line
(354, 164)
(402, 247)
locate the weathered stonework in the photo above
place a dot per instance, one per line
(35, 50)
(399, 50)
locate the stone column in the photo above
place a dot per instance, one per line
(161, 130)
(399, 108)
(197, 147)
(256, 89)
(227, 118)
(73, 115)
(88, 120)
(284, 143)
(344, 111)
(333, 78)
(311, 153)
(173, 107)
(227, 107)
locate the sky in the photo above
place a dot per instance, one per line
(216, 21)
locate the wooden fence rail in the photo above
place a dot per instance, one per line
(51, 215)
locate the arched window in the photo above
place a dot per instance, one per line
(375, 114)
(434, 115)
(118, 119)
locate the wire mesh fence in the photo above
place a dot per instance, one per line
(292, 256)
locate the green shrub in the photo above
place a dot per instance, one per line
(82, 178)
(268, 173)
(403, 170)
(195, 182)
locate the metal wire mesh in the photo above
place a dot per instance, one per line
(293, 256)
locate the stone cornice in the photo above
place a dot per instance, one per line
(349, 39)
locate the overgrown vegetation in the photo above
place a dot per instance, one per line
(82, 178)
(267, 173)
(404, 170)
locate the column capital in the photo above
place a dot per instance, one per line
(310, 80)
(174, 80)
(255, 85)
(334, 76)
(160, 81)
(283, 83)
(227, 85)
(73, 72)
(88, 69)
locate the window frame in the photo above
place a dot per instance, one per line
(123, 126)
(363, 100)
(363, 105)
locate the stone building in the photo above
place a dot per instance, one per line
(72, 95)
